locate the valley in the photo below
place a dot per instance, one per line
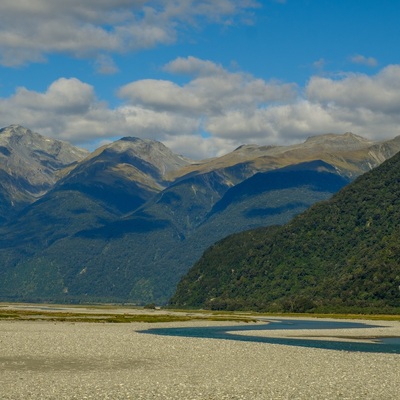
(126, 222)
(121, 360)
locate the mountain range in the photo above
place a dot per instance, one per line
(340, 255)
(127, 221)
(29, 164)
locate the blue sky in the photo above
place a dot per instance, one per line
(201, 76)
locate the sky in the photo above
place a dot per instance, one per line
(201, 76)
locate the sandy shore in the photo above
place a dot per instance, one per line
(47, 360)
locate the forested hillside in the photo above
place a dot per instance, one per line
(127, 221)
(340, 255)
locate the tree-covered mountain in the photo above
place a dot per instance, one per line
(342, 254)
(127, 221)
(141, 256)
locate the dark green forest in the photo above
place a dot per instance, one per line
(341, 255)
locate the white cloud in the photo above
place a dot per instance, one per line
(378, 93)
(198, 147)
(212, 91)
(193, 66)
(105, 65)
(144, 122)
(69, 96)
(216, 111)
(161, 95)
(360, 59)
(30, 30)
(319, 64)
(67, 110)
(235, 108)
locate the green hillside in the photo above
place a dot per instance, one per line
(341, 255)
(140, 257)
(127, 221)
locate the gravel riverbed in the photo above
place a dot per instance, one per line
(63, 360)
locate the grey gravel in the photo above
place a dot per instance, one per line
(47, 360)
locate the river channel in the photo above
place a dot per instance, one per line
(377, 345)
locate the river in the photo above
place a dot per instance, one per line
(377, 345)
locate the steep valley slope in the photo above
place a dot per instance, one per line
(341, 255)
(125, 223)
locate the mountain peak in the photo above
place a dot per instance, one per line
(20, 139)
(29, 162)
(345, 141)
(13, 130)
(151, 151)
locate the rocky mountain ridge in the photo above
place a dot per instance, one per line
(29, 163)
(351, 154)
(36, 163)
(134, 216)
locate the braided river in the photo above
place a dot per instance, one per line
(335, 341)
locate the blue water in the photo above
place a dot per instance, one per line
(381, 345)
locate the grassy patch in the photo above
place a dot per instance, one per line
(115, 314)
(109, 317)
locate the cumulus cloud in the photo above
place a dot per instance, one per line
(161, 95)
(215, 111)
(360, 59)
(212, 91)
(30, 30)
(228, 106)
(144, 122)
(193, 66)
(67, 110)
(198, 147)
(378, 93)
